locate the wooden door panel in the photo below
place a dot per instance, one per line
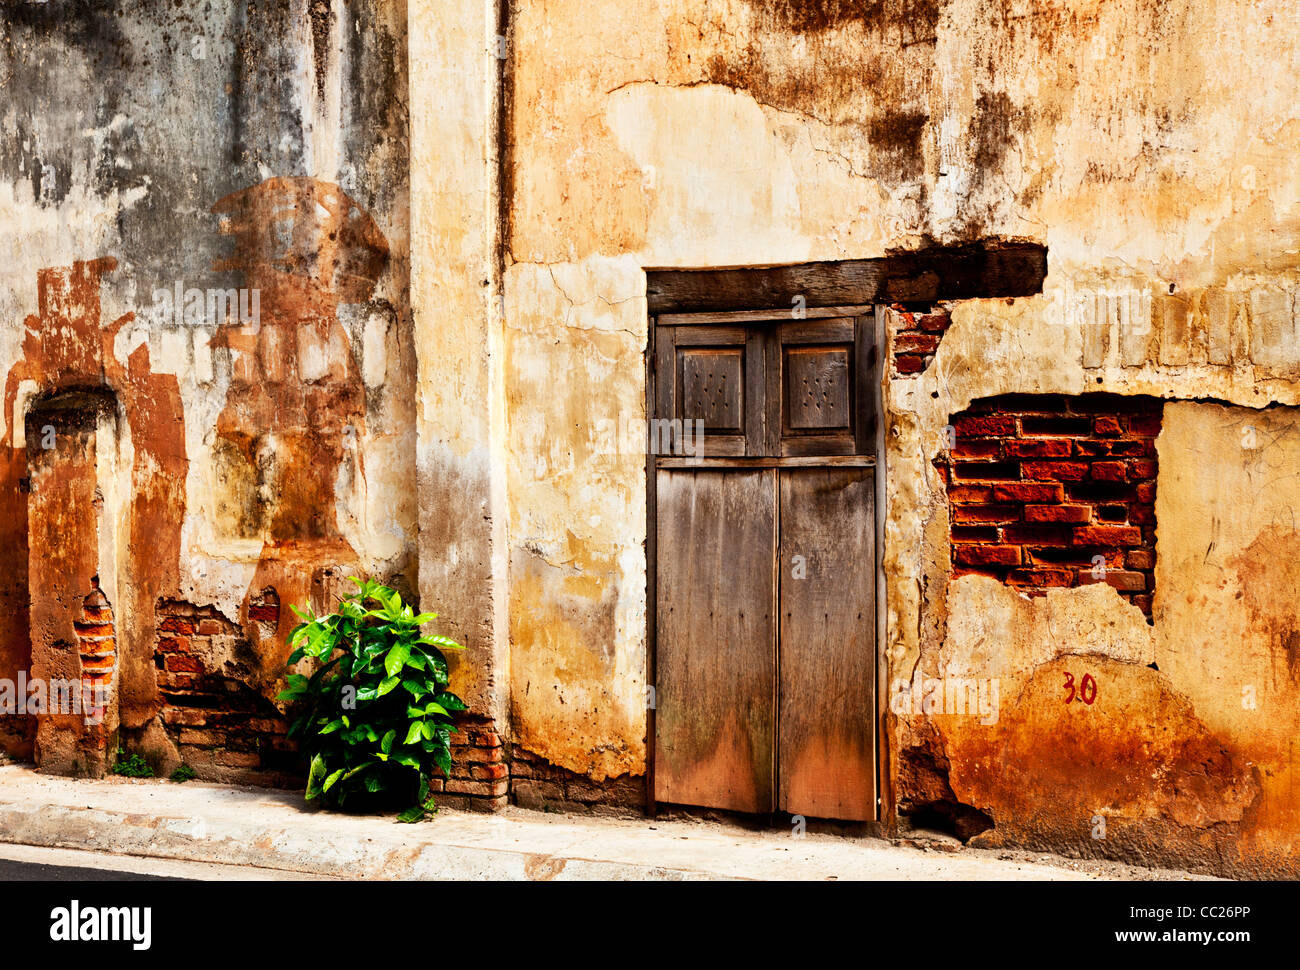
(817, 369)
(827, 637)
(715, 639)
(711, 375)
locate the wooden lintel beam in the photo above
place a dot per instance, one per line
(922, 276)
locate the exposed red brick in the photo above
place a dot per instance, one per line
(1038, 534)
(984, 425)
(1041, 448)
(1109, 471)
(1080, 499)
(1041, 577)
(1057, 471)
(909, 364)
(183, 662)
(1058, 513)
(1108, 535)
(1141, 468)
(1028, 493)
(1140, 559)
(1132, 448)
(1077, 556)
(988, 555)
(910, 342)
(1107, 427)
(977, 448)
(985, 513)
(1129, 580)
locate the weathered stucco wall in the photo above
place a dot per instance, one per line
(655, 134)
(481, 440)
(232, 145)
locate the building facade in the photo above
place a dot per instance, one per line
(985, 315)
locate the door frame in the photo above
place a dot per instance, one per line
(875, 385)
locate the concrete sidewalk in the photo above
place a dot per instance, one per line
(276, 830)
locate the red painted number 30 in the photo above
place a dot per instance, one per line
(1087, 689)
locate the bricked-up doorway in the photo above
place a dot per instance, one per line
(72, 443)
(764, 544)
(765, 511)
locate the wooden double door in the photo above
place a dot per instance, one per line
(765, 565)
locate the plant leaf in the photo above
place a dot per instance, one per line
(315, 775)
(334, 776)
(415, 813)
(438, 640)
(396, 659)
(450, 701)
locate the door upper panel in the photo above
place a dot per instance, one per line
(766, 388)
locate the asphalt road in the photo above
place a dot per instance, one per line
(11, 871)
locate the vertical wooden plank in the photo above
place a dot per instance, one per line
(827, 706)
(772, 390)
(715, 639)
(864, 394)
(885, 805)
(651, 557)
(756, 417)
(667, 403)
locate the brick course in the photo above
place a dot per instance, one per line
(97, 648)
(1041, 485)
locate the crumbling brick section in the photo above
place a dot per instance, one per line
(917, 338)
(1052, 491)
(487, 774)
(480, 774)
(221, 726)
(97, 646)
(538, 784)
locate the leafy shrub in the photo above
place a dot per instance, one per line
(132, 767)
(376, 716)
(183, 774)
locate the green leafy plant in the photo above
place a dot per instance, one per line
(183, 774)
(376, 715)
(132, 767)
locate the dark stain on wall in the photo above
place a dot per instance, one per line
(917, 17)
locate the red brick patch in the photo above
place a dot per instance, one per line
(1048, 491)
(917, 338)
